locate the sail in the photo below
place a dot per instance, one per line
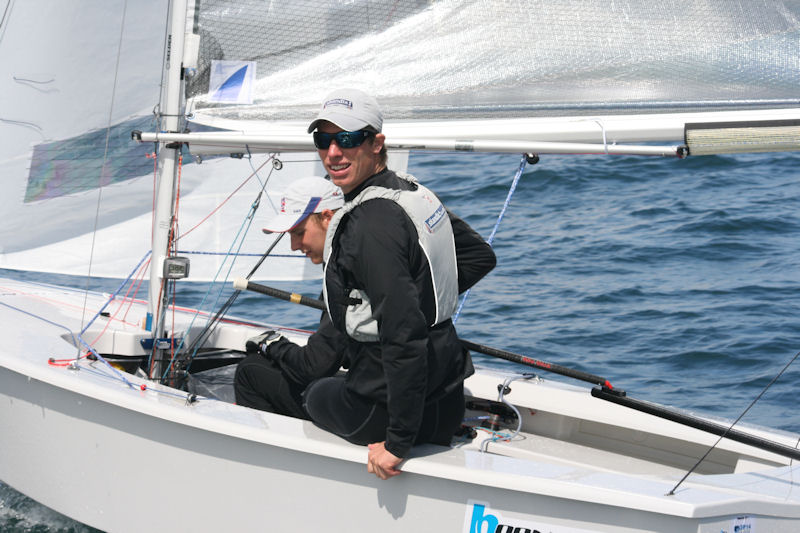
(77, 192)
(456, 74)
(467, 59)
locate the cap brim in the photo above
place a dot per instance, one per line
(283, 222)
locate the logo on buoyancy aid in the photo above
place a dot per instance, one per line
(478, 520)
(432, 224)
(435, 218)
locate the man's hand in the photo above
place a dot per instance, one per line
(260, 344)
(382, 462)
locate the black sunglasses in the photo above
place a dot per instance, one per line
(344, 139)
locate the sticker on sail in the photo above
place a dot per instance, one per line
(75, 165)
(480, 518)
(232, 81)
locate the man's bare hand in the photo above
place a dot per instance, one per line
(382, 462)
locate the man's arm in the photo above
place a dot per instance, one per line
(322, 356)
(474, 256)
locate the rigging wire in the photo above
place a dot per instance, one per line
(126, 302)
(137, 271)
(510, 194)
(174, 237)
(213, 320)
(103, 166)
(713, 446)
(232, 194)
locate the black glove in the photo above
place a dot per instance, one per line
(260, 344)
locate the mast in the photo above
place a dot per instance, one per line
(163, 215)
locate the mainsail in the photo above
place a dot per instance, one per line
(459, 59)
(506, 76)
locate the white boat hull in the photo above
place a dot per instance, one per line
(119, 458)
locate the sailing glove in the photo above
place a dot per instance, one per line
(260, 344)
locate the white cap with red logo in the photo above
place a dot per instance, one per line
(303, 197)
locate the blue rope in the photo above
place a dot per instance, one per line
(182, 395)
(99, 357)
(119, 375)
(244, 227)
(237, 254)
(513, 188)
(115, 293)
(76, 338)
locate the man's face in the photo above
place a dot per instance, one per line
(309, 236)
(349, 167)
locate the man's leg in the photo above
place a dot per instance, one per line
(260, 384)
(333, 408)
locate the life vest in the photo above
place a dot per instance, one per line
(435, 237)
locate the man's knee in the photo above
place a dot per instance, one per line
(253, 378)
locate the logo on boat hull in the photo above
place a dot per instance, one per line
(743, 524)
(479, 518)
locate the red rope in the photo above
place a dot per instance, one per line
(226, 199)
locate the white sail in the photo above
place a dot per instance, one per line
(77, 192)
(508, 76)
(482, 59)
(450, 75)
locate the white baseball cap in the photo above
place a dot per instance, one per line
(301, 198)
(351, 110)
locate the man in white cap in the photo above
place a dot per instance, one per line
(403, 258)
(348, 137)
(276, 371)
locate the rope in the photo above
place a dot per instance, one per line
(234, 254)
(511, 190)
(240, 235)
(499, 435)
(127, 298)
(254, 173)
(114, 294)
(212, 321)
(76, 338)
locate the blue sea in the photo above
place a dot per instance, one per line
(677, 280)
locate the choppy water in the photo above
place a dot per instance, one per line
(679, 281)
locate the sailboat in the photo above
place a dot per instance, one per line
(98, 420)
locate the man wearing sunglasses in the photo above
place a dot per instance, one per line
(395, 260)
